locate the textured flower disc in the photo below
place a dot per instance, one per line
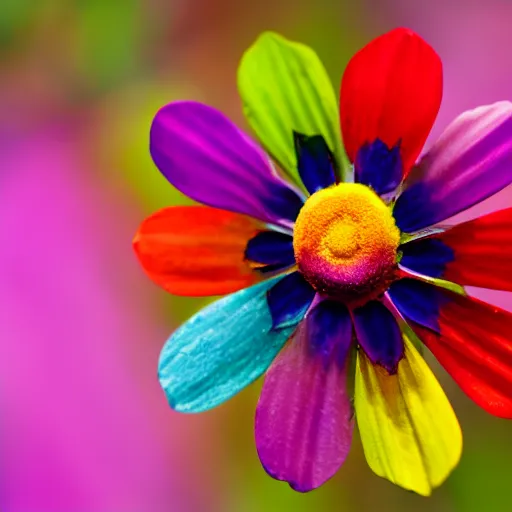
(345, 243)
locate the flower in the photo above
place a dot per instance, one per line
(340, 273)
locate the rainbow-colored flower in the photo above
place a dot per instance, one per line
(337, 274)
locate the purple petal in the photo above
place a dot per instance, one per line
(205, 156)
(304, 416)
(379, 335)
(471, 161)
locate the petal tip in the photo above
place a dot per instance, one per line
(293, 483)
(404, 32)
(303, 489)
(136, 242)
(270, 37)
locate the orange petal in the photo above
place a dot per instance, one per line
(196, 250)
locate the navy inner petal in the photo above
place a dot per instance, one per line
(379, 335)
(289, 299)
(418, 301)
(271, 248)
(286, 203)
(379, 167)
(315, 162)
(428, 256)
(410, 220)
(330, 331)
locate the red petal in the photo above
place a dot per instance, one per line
(196, 250)
(482, 251)
(391, 90)
(475, 348)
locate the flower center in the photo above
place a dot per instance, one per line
(345, 242)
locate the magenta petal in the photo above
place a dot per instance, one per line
(471, 161)
(304, 415)
(205, 156)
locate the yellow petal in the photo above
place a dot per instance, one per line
(409, 431)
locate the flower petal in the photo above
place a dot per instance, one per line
(475, 253)
(289, 299)
(391, 90)
(205, 156)
(286, 89)
(418, 301)
(304, 416)
(271, 248)
(427, 256)
(315, 162)
(196, 250)
(472, 340)
(379, 167)
(220, 350)
(378, 333)
(471, 161)
(409, 431)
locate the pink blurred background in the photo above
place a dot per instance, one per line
(85, 426)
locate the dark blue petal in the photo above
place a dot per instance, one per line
(379, 167)
(379, 335)
(428, 257)
(418, 301)
(330, 331)
(272, 248)
(288, 204)
(289, 300)
(315, 162)
(410, 220)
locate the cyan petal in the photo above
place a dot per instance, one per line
(220, 350)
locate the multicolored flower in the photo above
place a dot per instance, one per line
(337, 274)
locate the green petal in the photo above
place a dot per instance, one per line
(285, 88)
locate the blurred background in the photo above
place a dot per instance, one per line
(84, 425)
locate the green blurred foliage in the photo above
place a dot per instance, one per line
(14, 15)
(482, 480)
(107, 40)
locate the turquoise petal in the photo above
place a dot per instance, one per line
(220, 350)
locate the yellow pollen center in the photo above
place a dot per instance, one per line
(341, 240)
(345, 242)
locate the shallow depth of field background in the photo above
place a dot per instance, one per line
(84, 425)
